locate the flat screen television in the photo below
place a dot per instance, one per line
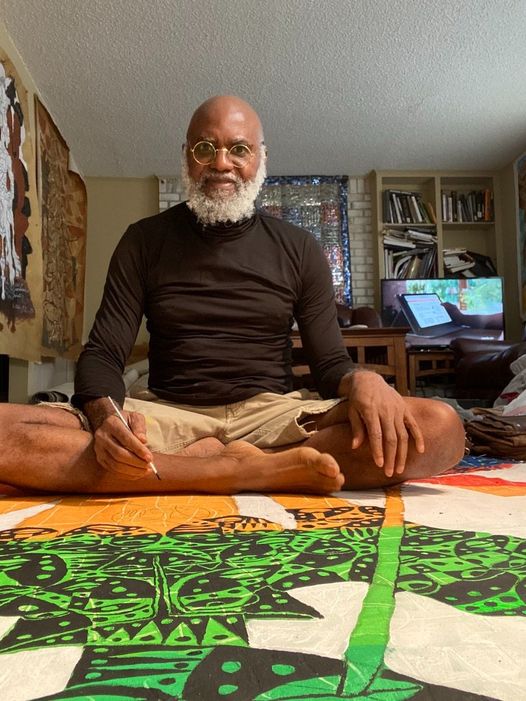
(432, 307)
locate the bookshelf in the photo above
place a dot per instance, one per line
(482, 235)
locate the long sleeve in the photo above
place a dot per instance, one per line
(101, 364)
(318, 324)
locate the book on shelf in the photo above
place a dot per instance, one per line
(409, 253)
(473, 206)
(409, 234)
(406, 207)
(464, 263)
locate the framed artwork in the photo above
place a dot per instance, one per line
(520, 175)
(20, 246)
(63, 206)
(317, 203)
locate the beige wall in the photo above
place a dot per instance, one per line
(511, 253)
(113, 204)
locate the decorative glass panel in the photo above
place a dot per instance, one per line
(317, 203)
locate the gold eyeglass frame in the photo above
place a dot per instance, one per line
(223, 148)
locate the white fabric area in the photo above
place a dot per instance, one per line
(339, 603)
(455, 508)
(33, 674)
(261, 506)
(439, 644)
(13, 518)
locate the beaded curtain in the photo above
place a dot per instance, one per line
(317, 203)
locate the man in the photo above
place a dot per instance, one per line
(220, 285)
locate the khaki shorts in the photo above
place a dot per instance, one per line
(266, 420)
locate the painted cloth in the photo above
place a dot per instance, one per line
(219, 303)
(413, 593)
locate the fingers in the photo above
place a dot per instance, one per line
(416, 432)
(378, 412)
(368, 424)
(357, 428)
(137, 423)
(108, 461)
(119, 450)
(397, 460)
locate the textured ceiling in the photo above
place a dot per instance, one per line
(342, 86)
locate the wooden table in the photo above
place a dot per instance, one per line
(381, 350)
(428, 363)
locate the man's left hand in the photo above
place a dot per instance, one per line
(379, 413)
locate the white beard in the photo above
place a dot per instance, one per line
(223, 207)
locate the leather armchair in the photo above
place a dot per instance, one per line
(366, 316)
(482, 368)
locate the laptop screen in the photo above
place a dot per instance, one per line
(481, 299)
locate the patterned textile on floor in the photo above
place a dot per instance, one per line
(415, 592)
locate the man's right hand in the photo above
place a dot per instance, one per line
(117, 448)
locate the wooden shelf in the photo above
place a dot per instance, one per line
(483, 237)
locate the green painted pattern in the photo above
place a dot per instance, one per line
(159, 614)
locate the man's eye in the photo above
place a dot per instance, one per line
(204, 149)
(240, 150)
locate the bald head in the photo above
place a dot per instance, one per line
(225, 109)
(224, 185)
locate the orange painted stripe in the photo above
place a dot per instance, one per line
(304, 501)
(394, 507)
(153, 513)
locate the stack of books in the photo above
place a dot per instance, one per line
(401, 207)
(474, 206)
(410, 253)
(458, 260)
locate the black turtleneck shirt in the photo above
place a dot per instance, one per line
(219, 303)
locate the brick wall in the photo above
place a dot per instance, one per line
(360, 232)
(361, 242)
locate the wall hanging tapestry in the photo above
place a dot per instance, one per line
(20, 246)
(317, 203)
(416, 592)
(63, 205)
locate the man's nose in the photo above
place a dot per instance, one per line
(222, 161)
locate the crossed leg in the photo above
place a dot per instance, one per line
(44, 448)
(443, 435)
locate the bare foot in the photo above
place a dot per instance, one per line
(294, 470)
(203, 448)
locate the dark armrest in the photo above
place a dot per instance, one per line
(484, 364)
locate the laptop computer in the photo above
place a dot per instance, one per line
(432, 324)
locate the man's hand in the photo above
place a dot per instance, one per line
(117, 448)
(454, 312)
(378, 412)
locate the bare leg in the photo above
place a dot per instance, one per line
(443, 435)
(44, 448)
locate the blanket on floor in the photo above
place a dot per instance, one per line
(413, 592)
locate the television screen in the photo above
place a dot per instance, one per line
(475, 303)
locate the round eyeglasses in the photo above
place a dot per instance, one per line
(205, 153)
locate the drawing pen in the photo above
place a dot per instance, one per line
(121, 417)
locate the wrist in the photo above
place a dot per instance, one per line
(97, 411)
(349, 377)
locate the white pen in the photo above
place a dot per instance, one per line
(121, 417)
